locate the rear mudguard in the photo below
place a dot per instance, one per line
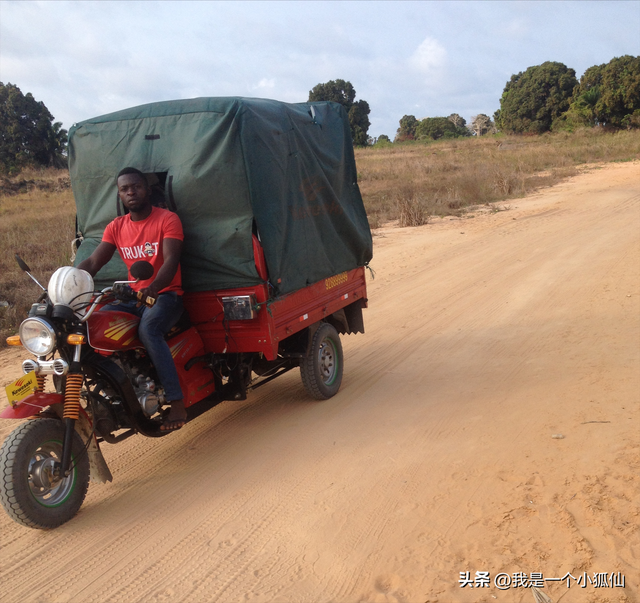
(32, 405)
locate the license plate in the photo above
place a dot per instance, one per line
(21, 388)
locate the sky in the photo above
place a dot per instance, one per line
(427, 59)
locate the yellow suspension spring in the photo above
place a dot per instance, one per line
(42, 379)
(72, 396)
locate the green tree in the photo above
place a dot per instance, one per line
(407, 129)
(533, 99)
(632, 120)
(607, 94)
(383, 139)
(619, 90)
(581, 112)
(435, 128)
(28, 136)
(340, 91)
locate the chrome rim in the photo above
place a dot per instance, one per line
(44, 487)
(327, 358)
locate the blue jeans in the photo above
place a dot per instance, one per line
(155, 323)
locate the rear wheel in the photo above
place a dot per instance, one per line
(321, 368)
(29, 491)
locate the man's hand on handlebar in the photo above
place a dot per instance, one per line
(148, 295)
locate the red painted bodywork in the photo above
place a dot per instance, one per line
(31, 405)
(197, 382)
(276, 319)
(111, 331)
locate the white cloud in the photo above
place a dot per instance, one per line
(429, 58)
(265, 84)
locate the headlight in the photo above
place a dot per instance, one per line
(38, 336)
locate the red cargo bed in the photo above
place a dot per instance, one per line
(276, 318)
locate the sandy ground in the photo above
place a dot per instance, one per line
(486, 337)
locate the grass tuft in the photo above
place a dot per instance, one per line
(412, 212)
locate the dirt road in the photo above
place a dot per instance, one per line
(487, 339)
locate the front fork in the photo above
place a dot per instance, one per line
(72, 407)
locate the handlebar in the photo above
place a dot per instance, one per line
(149, 301)
(119, 291)
(124, 292)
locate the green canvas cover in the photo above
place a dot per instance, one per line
(232, 165)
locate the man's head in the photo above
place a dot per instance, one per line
(133, 190)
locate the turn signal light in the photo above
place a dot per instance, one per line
(14, 340)
(75, 339)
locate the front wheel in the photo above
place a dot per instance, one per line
(29, 491)
(321, 368)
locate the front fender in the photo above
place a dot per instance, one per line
(34, 403)
(31, 405)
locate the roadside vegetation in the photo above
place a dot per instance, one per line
(415, 181)
(37, 221)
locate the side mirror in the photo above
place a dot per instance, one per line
(22, 264)
(141, 270)
(25, 268)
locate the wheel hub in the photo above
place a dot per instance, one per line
(327, 361)
(46, 482)
(43, 473)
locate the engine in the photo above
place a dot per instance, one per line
(149, 396)
(145, 389)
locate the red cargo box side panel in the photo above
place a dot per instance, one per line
(219, 336)
(276, 319)
(307, 306)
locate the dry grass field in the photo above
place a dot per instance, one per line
(37, 221)
(410, 182)
(414, 182)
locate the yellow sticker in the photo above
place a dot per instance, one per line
(21, 388)
(334, 281)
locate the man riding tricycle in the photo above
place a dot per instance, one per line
(230, 250)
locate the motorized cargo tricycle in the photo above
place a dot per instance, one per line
(276, 245)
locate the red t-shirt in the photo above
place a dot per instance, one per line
(142, 240)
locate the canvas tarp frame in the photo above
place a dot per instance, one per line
(232, 166)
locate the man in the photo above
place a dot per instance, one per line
(154, 235)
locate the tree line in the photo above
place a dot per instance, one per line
(28, 134)
(549, 97)
(543, 98)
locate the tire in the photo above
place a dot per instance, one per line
(25, 490)
(321, 368)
